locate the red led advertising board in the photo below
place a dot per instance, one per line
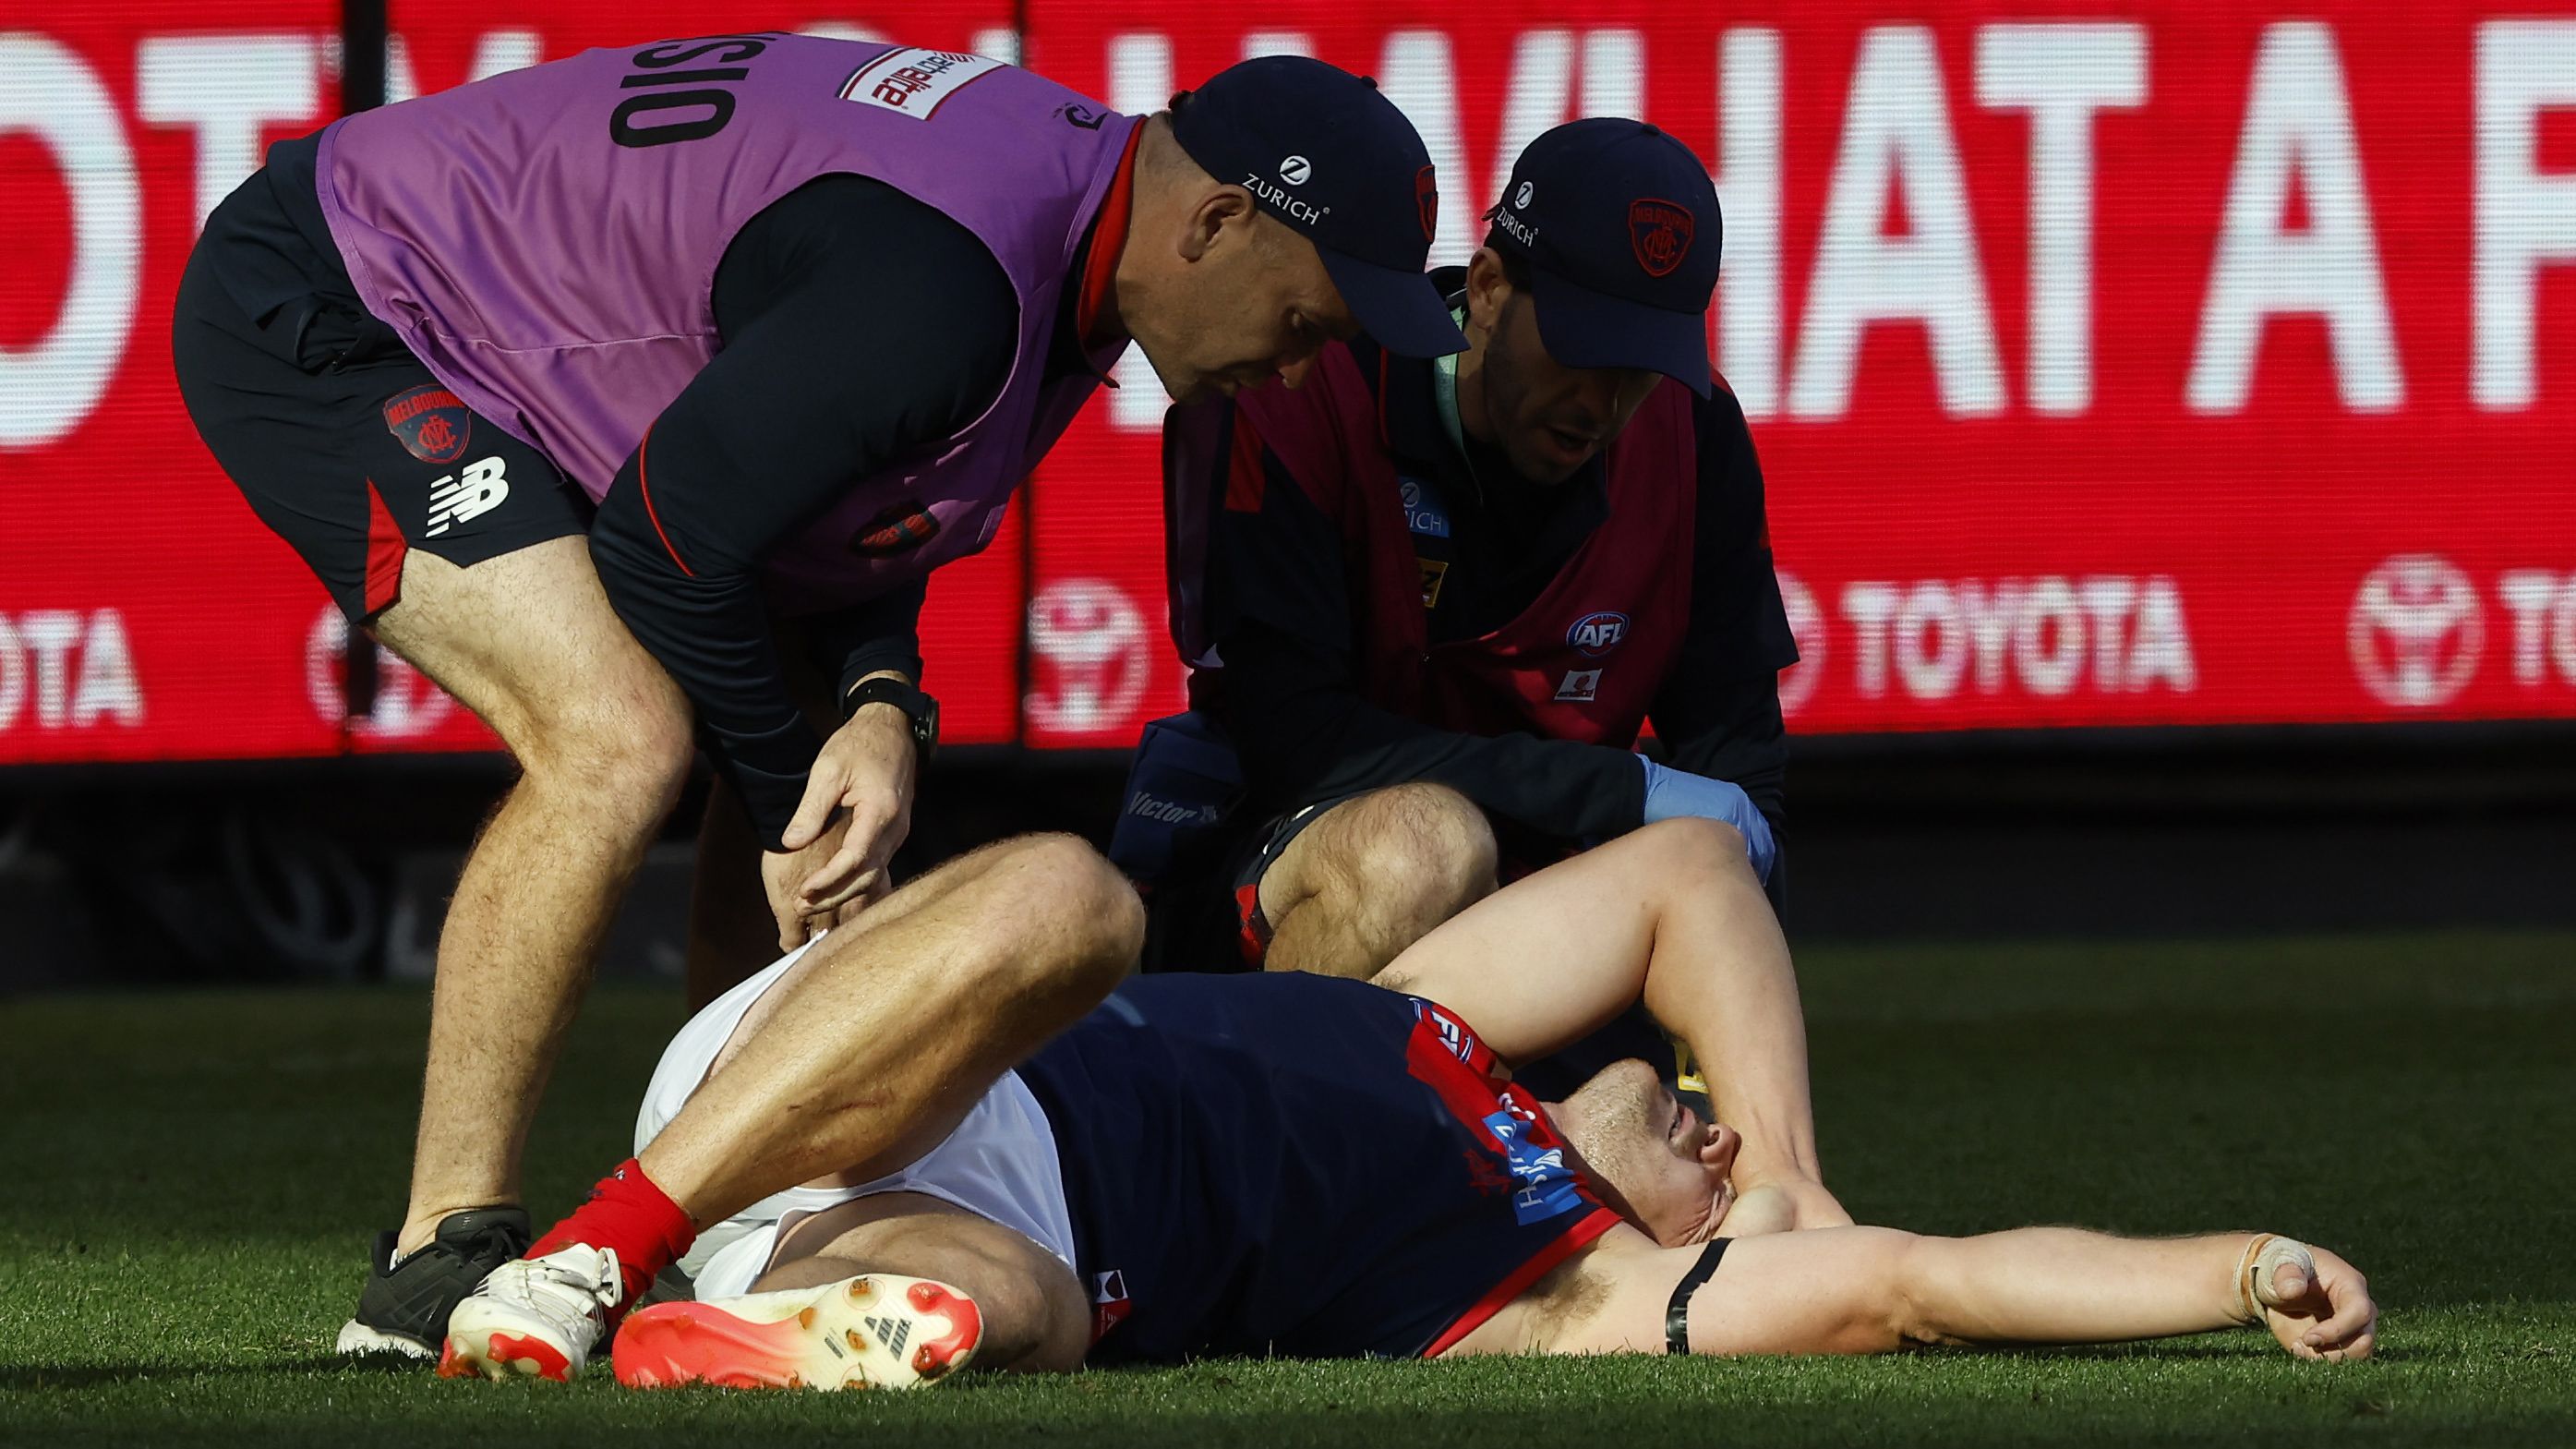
(2111, 365)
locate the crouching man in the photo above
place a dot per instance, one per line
(1430, 605)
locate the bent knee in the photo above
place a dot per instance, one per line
(627, 764)
(1425, 846)
(1086, 913)
(1030, 1301)
(1690, 842)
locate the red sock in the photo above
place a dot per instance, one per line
(630, 1216)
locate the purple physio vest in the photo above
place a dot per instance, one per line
(547, 242)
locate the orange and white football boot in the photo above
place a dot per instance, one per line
(876, 1331)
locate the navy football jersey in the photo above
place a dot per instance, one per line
(1298, 1165)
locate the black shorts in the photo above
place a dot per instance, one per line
(1271, 838)
(1269, 841)
(343, 442)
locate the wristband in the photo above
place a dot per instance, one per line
(917, 707)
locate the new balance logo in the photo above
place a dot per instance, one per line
(469, 495)
(891, 1332)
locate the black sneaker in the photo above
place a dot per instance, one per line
(404, 1307)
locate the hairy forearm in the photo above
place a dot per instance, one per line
(1873, 1290)
(2066, 1285)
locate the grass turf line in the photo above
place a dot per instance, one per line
(193, 1179)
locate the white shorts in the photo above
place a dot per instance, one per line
(1000, 1163)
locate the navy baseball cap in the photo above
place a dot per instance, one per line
(1322, 150)
(1620, 227)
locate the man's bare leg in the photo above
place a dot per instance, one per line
(862, 1058)
(1373, 875)
(1036, 1317)
(1872, 1290)
(528, 642)
(1671, 914)
(872, 1057)
(890, 1291)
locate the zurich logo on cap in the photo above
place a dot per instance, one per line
(1422, 512)
(1328, 154)
(1625, 256)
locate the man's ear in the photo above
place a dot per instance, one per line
(1218, 208)
(1487, 288)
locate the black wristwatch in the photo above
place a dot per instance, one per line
(918, 707)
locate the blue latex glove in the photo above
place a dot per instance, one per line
(1671, 794)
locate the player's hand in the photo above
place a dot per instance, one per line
(782, 872)
(1671, 794)
(2331, 1318)
(855, 814)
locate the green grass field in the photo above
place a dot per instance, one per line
(191, 1181)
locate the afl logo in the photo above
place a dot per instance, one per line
(899, 529)
(1594, 635)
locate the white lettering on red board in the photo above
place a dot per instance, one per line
(1899, 129)
(406, 706)
(2046, 636)
(67, 669)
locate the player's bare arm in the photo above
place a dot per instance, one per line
(1671, 914)
(1877, 1290)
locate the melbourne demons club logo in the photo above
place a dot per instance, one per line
(897, 529)
(1660, 232)
(2416, 631)
(430, 422)
(1426, 200)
